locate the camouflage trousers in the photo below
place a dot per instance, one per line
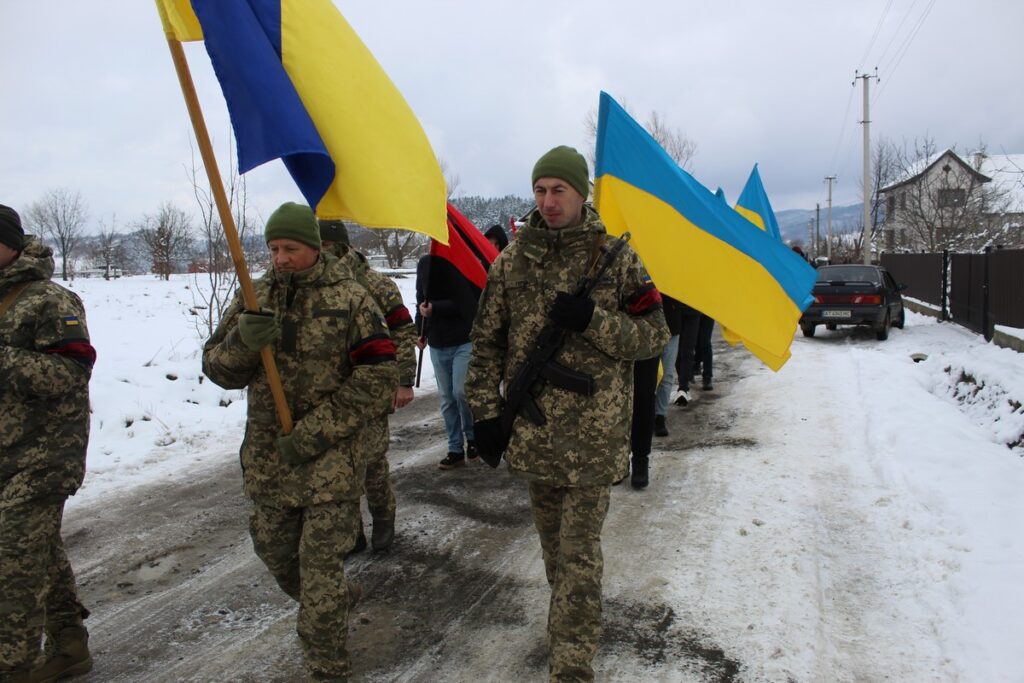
(304, 549)
(37, 586)
(569, 522)
(380, 496)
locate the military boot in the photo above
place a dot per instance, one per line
(383, 533)
(638, 473)
(67, 654)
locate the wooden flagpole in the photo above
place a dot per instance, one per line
(188, 90)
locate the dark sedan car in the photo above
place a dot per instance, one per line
(854, 295)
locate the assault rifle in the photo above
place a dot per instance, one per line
(540, 368)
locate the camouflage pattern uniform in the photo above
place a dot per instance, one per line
(571, 462)
(337, 365)
(45, 364)
(380, 496)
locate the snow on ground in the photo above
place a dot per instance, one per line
(154, 415)
(871, 504)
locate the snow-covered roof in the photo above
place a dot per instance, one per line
(1006, 171)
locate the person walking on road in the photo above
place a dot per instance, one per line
(570, 461)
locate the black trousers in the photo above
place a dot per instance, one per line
(687, 344)
(704, 354)
(645, 384)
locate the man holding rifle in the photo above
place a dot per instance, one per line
(577, 306)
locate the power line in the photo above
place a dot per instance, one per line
(905, 47)
(878, 28)
(842, 131)
(896, 33)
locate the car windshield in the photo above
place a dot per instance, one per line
(849, 274)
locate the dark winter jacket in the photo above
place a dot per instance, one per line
(453, 298)
(497, 232)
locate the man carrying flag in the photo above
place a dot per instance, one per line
(572, 454)
(339, 376)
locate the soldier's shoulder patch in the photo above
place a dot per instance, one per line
(71, 327)
(71, 321)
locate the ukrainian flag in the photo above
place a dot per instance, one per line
(301, 86)
(695, 247)
(753, 205)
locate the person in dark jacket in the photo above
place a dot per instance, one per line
(496, 236)
(446, 306)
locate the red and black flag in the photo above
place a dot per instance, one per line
(468, 251)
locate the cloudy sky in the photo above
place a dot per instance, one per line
(90, 101)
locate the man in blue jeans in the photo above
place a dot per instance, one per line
(446, 306)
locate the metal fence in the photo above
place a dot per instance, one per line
(977, 291)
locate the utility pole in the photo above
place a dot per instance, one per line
(830, 179)
(813, 237)
(866, 248)
(817, 221)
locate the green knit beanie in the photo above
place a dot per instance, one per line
(565, 163)
(333, 231)
(293, 221)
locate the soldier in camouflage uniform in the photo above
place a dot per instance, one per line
(572, 460)
(45, 364)
(380, 496)
(337, 365)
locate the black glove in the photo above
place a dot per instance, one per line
(572, 313)
(258, 329)
(490, 442)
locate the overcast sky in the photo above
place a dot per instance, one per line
(90, 101)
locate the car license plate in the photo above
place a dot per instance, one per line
(835, 314)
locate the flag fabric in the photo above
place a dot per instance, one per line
(301, 86)
(467, 250)
(753, 205)
(696, 248)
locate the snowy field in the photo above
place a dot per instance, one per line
(896, 485)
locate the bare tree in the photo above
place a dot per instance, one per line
(398, 246)
(60, 215)
(109, 249)
(451, 179)
(214, 275)
(680, 148)
(166, 238)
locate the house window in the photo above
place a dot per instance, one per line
(890, 207)
(952, 197)
(903, 200)
(890, 239)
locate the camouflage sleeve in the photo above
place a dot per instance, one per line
(61, 359)
(637, 330)
(490, 346)
(400, 326)
(226, 360)
(368, 391)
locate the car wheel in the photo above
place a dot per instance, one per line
(900, 320)
(807, 329)
(882, 333)
(830, 326)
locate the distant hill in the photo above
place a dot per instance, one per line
(793, 223)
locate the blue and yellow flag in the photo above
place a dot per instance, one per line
(301, 86)
(753, 205)
(697, 249)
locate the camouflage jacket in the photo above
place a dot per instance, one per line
(45, 364)
(387, 297)
(586, 439)
(337, 365)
